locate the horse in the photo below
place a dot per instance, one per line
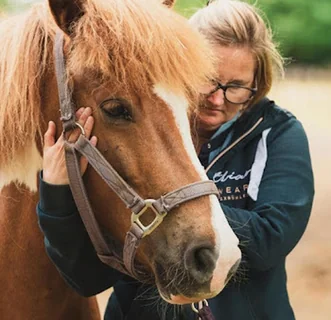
(139, 66)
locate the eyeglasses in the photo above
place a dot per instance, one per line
(233, 93)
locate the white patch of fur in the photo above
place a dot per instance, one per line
(23, 170)
(226, 240)
(227, 246)
(179, 106)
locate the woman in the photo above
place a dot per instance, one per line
(255, 152)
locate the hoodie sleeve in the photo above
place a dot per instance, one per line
(275, 222)
(68, 244)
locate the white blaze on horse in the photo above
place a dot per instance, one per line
(139, 66)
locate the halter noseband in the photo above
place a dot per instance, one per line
(131, 199)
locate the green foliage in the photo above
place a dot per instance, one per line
(13, 6)
(188, 7)
(301, 27)
(3, 4)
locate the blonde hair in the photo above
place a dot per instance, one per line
(236, 23)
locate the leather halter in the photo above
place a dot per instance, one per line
(131, 199)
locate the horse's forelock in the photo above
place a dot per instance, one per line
(139, 43)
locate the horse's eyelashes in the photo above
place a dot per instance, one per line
(117, 109)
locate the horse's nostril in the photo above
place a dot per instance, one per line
(204, 258)
(200, 262)
(232, 271)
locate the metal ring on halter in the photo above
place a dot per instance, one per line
(204, 303)
(67, 133)
(81, 128)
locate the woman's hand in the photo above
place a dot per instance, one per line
(54, 165)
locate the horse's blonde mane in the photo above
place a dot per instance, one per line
(23, 59)
(136, 42)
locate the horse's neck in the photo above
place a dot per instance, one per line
(31, 286)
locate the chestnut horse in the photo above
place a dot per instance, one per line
(138, 65)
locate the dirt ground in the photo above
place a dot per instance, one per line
(307, 94)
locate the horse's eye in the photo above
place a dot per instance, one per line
(117, 109)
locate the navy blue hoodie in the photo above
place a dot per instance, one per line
(262, 168)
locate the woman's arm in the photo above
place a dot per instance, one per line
(272, 226)
(66, 239)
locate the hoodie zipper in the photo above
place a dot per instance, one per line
(234, 144)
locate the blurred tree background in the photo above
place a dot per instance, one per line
(301, 27)
(16, 5)
(3, 4)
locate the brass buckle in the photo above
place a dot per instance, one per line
(135, 218)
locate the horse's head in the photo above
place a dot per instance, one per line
(138, 65)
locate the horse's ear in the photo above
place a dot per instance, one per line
(66, 12)
(169, 3)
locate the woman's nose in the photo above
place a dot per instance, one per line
(217, 98)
